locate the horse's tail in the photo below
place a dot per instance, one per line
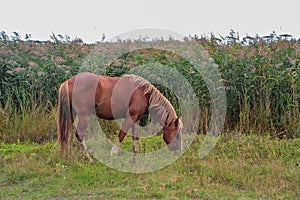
(64, 122)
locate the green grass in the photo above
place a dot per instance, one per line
(239, 167)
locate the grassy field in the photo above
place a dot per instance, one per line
(239, 167)
(258, 156)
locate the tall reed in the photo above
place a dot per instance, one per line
(261, 76)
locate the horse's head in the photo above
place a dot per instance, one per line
(172, 134)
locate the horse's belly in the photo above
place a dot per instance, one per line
(107, 111)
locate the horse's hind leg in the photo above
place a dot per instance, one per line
(83, 122)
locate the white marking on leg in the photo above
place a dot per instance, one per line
(136, 146)
(115, 149)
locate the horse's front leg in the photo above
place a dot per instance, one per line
(115, 149)
(129, 121)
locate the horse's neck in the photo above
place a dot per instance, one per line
(164, 120)
(159, 118)
(163, 112)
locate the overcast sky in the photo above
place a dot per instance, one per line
(89, 19)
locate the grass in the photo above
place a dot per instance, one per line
(36, 125)
(239, 167)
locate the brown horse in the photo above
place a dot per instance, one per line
(130, 97)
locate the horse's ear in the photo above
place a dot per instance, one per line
(177, 121)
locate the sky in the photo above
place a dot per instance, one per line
(90, 19)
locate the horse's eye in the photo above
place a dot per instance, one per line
(177, 136)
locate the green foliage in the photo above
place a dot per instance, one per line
(263, 84)
(31, 73)
(261, 76)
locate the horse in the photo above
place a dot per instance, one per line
(110, 98)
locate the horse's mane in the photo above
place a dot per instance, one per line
(165, 113)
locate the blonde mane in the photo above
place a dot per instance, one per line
(165, 113)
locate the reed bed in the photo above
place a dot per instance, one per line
(261, 77)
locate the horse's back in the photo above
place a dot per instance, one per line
(112, 97)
